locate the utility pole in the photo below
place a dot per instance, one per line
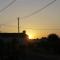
(18, 25)
(17, 41)
(18, 28)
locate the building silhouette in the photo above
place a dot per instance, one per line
(8, 37)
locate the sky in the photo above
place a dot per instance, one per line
(40, 24)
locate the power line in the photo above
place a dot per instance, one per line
(40, 29)
(39, 10)
(35, 12)
(7, 6)
(43, 28)
(33, 26)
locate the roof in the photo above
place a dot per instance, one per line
(21, 35)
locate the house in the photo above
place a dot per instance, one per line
(21, 38)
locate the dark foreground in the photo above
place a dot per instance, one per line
(45, 49)
(27, 53)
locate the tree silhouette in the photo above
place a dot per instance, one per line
(53, 44)
(53, 37)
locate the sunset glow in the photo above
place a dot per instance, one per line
(38, 24)
(31, 34)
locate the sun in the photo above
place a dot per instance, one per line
(31, 35)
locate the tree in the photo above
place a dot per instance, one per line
(53, 40)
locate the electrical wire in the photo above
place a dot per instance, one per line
(35, 12)
(7, 6)
(42, 28)
(39, 10)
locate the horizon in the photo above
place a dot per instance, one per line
(30, 36)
